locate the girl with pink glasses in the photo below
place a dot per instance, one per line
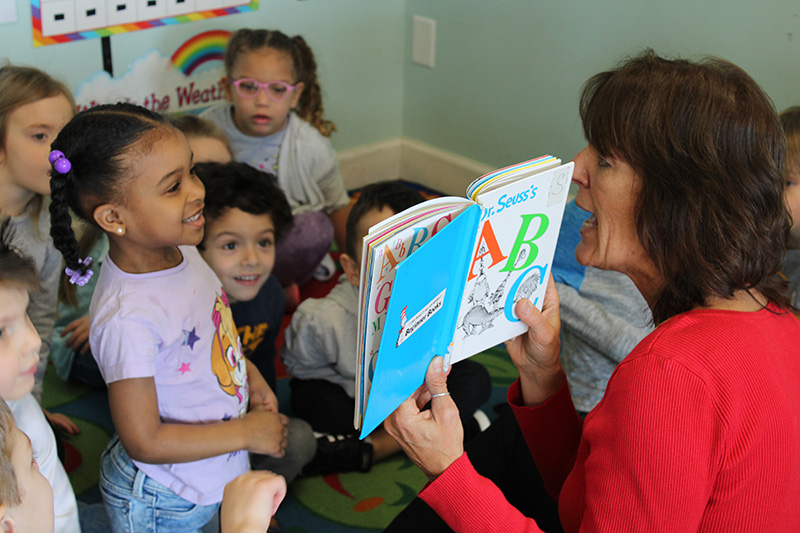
(273, 121)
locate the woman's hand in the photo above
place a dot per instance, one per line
(432, 439)
(535, 353)
(78, 331)
(250, 500)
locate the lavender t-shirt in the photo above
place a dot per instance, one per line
(175, 326)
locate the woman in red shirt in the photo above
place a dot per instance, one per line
(699, 428)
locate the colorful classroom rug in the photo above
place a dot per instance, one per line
(334, 503)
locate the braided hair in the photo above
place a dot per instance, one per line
(95, 143)
(309, 108)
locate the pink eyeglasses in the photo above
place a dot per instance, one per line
(275, 90)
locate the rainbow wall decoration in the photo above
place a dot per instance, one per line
(203, 47)
(63, 21)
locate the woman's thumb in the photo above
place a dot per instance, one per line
(436, 378)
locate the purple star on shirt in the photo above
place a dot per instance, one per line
(189, 338)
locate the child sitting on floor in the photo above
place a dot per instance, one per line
(320, 343)
(207, 141)
(246, 215)
(273, 119)
(19, 354)
(790, 119)
(26, 498)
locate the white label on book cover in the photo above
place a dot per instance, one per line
(408, 327)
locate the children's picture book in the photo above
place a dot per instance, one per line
(442, 278)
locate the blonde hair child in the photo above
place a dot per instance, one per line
(208, 143)
(19, 353)
(33, 108)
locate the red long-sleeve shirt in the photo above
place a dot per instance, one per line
(699, 430)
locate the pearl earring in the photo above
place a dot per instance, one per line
(120, 231)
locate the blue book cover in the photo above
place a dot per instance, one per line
(421, 317)
(455, 295)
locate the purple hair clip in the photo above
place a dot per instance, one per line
(59, 161)
(75, 276)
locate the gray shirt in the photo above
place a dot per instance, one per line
(791, 269)
(320, 342)
(308, 170)
(34, 241)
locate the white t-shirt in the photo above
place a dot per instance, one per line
(31, 421)
(175, 326)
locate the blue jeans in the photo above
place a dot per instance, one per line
(137, 503)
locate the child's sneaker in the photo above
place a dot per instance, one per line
(476, 425)
(339, 453)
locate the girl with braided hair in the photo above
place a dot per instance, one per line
(273, 121)
(181, 432)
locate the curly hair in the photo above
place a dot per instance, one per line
(708, 146)
(309, 108)
(96, 142)
(240, 186)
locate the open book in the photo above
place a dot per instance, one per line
(442, 278)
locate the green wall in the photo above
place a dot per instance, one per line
(358, 46)
(508, 72)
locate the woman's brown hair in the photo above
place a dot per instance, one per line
(708, 146)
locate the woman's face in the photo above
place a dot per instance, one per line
(608, 188)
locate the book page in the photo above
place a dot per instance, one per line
(517, 234)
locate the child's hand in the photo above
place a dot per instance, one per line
(261, 395)
(266, 432)
(250, 500)
(62, 422)
(265, 399)
(78, 331)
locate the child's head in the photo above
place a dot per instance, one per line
(19, 342)
(376, 202)
(33, 108)
(268, 74)
(208, 143)
(127, 170)
(26, 498)
(246, 213)
(790, 119)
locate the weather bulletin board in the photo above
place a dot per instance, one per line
(60, 21)
(187, 80)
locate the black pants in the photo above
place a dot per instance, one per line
(328, 408)
(500, 454)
